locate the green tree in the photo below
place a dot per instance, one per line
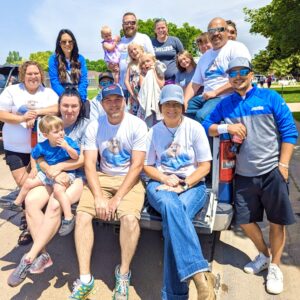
(42, 58)
(96, 65)
(186, 33)
(14, 57)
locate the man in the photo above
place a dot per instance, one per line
(105, 79)
(263, 122)
(131, 35)
(210, 71)
(115, 192)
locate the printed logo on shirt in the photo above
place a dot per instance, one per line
(257, 108)
(163, 49)
(213, 70)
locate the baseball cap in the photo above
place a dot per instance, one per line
(113, 89)
(171, 92)
(105, 75)
(239, 62)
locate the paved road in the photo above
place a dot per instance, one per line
(228, 253)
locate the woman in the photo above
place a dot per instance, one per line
(178, 157)
(68, 67)
(44, 225)
(231, 30)
(166, 48)
(186, 68)
(20, 105)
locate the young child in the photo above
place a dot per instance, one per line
(132, 78)
(151, 81)
(57, 148)
(111, 51)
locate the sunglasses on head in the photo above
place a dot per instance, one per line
(106, 83)
(126, 23)
(156, 20)
(242, 72)
(216, 29)
(66, 42)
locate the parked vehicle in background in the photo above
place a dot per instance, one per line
(9, 74)
(287, 80)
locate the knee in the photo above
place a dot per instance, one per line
(130, 223)
(83, 220)
(54, 207)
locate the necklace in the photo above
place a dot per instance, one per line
(173, 130)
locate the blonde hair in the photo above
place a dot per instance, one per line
(135, 45)
(48, 123)
(23, 67)
(105, 29)
(146, 55)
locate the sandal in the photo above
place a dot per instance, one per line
(25, 238)
(23, 223)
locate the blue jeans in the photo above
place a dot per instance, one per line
(183, 256)
(198, 108)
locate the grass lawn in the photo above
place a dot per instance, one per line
(92, 93)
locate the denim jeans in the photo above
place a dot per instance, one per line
(182, 251)
(198, 108)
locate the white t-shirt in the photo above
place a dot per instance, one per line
(179, 155)
(212, 66)
(16, 137)
(140, 39)
(115, 143)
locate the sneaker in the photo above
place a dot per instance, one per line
(121, 290)
(274, 280)
(41, 263)
(11, 206)
(19, 273)
(66, 227)
(260, 263)
(11, 196)
(81, 290)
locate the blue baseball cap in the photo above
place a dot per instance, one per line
(239, 62)
(171, 92)
(113, 89)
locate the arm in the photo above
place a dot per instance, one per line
(11, 118)
(190, 92)
(101, 203)
(50, 110)
(110, 47)
(238, 129)
(127, 83)
(54, 77)
(226, 88)
(83, 80)
(284, 159)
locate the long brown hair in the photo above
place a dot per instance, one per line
(188, 55)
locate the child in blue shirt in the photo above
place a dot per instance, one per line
(57, 148)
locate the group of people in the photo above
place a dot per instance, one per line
(142, 120)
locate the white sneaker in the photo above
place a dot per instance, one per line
(260, 263)
(274, 280)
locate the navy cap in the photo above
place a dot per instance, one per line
(105, 75)
(171, 92)
(113, 89)
(239, 62)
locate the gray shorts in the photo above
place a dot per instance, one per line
(47, 181)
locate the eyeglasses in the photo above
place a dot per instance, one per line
(242, 72)
(126, 23)
(105, 83)
(231, 31)
(65, 42)
(214, 30)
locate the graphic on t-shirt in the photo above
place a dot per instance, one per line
(213, 70)
(114, 154)
(174, 159)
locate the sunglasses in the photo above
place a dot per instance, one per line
(156, 20)
(126, 23)
(105, 83)
(242, 72)
(214, 30)
(231, 31)
(65, 42)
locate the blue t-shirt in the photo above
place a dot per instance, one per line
(53, 155)
(166, 52)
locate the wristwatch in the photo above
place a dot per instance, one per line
(184, 185)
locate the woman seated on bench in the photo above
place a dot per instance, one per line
(178, 157)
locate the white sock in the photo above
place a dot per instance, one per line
(86, 279)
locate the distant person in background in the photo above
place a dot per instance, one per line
(166, 48)
(262, 80)
(269, 81)
(231, 30)
(203, 42)
(67, 67)
(111, 50)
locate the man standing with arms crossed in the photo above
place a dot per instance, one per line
(265, 126)
(210, 71)
(116, 192)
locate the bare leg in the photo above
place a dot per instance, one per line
(254, 232)
(277, 241)
(28, 185)
(20, 176)
(129, 236)
(63, 199)
(84, 241)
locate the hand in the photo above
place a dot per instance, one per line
(53, 171)
(61, 142)
(30, 124)
(238, 129)
(30, 115)
(33, 173)
(171, 180)
(62, 179)
(284, 172)
(112, 206)
(101, 206)
(113, 67)
(117, 38)
(209, 95)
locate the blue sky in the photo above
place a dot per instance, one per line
(31, 25)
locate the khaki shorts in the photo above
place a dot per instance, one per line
(131, 204)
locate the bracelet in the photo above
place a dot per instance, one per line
(283, 165)
(222, 128)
